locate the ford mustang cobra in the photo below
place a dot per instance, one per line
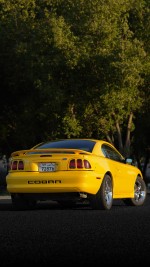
(74, 170)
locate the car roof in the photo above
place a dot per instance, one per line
(86, 144)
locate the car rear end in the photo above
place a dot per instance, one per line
(53, 171)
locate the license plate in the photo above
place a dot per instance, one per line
(47, 167)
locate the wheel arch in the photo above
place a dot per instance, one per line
(111, 176)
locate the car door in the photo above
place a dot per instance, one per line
(123, 174)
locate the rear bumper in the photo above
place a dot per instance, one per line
(57, 182)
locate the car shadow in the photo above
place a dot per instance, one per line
(6, 205)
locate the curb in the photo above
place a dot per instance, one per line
(3, 193)
(5, 197)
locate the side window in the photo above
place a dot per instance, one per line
(110, 153)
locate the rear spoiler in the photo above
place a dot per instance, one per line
(49, 151)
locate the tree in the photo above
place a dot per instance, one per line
(112, 64)
(73, 68)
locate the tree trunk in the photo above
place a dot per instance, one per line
(119, 137)
(127, 151)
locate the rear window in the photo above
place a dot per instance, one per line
(86, 145)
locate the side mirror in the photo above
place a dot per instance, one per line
(129, 161)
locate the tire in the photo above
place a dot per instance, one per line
(103, 200)
(140, 193)
(19, 202)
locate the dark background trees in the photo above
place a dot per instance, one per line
(72, 68)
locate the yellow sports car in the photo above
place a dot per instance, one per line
(74, 170)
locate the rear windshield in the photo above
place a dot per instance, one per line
(86, 145)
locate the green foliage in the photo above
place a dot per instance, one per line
(73, 68)
(71, 124)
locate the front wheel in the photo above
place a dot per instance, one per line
(104, 198)
(139, 193)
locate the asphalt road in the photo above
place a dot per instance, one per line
(51, 236)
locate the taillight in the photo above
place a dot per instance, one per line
(87, 164)
(17, 165)
(72, 164)
(20, 165)
(79, 164)
(14, 165)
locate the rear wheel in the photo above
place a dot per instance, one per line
(104, 198)
(139, 193)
